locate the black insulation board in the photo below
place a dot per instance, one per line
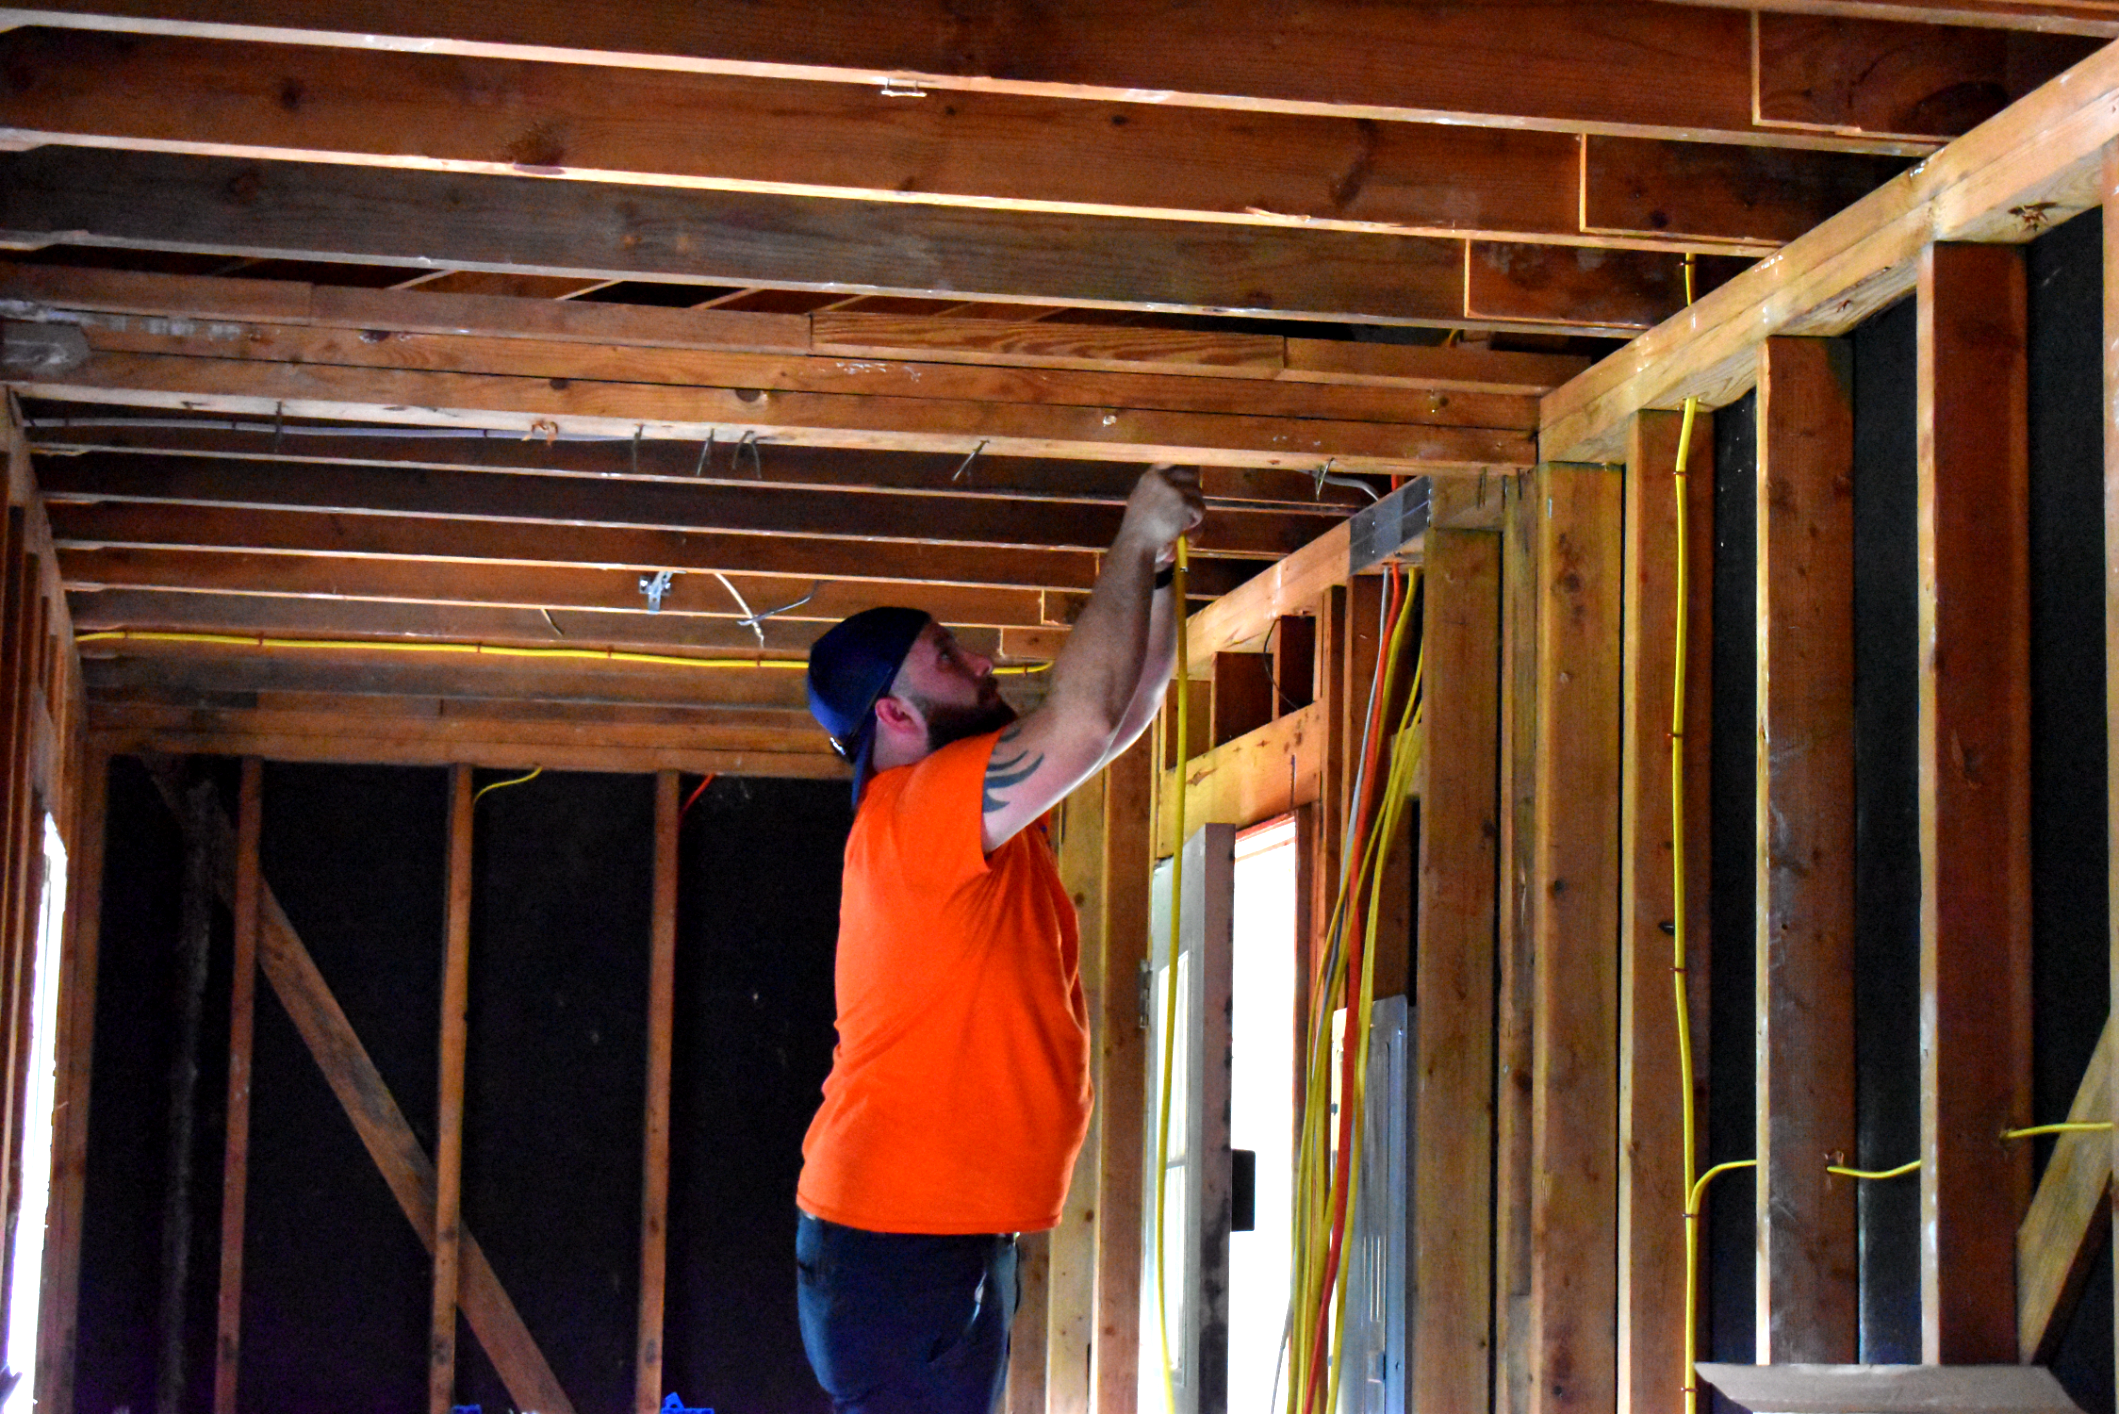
(336, 1282)
(556, 1071)
(757, 925)
(128, 1124)
(2071, 959)
(1886, 833)
(1731, 1128)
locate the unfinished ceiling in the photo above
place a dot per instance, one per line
(454, 324)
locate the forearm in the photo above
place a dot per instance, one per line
(1101, 666)
(1157, 663)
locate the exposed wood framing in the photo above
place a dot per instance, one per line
(1027, 1342)
(449, 1107)
(1264, 773)
(1570, 1331)
(242, 997)
(2091, 17)
(1453, 961)
(1521, 605)
(2069, 1217)
(993, 150)
(1071, 1279)
(655, 1126)
(1652, 1359)
(2020, 173)
(1808, 1253)
(1537, 69)
(2108, 196)
(1975, 957)
(386, 1134)
(1121, 1077)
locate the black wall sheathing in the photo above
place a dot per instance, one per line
(1886, 833)
(2071, 959)
(556, 1071)
(1731, 1128)
(128, 1122)
(336, 1282)
(757, 920)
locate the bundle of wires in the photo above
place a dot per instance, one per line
(1328, 1173)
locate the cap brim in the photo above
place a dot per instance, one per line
(864, 763)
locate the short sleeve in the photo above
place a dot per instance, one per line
(934, 815)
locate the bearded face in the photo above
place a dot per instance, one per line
(949, 721)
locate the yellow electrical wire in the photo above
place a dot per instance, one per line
(2073, 1126)
(1899, 1172)
(535, 772)
(1181, 684)
(488, 650)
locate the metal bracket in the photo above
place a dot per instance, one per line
(654, 586)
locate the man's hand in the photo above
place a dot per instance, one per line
(1166, 503)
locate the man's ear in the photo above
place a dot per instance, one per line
(898, 715)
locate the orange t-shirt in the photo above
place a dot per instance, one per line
(959, 1090)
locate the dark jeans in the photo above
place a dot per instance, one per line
(903, 1323)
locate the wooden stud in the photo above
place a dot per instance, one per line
(1026, 1346)
(1975, 968)
(1331, 693)
(1293, 651)
(235, 1179)
(1574, 916)
(1452, 1219)
(1522, 603)
(1652, 1361)
(1807, 1252)
(2108, 197)
(1071, 1281)
(59, 1317)
(655, 1145)
(449, 1110)
(1121, 1080)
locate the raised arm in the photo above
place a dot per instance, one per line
(1101, 673)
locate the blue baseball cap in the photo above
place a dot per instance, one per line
(851, 666)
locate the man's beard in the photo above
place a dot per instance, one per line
(947, 722)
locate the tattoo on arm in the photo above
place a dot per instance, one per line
(1004, 775)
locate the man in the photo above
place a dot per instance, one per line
(959, 1090)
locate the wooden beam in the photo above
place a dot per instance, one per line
(1026, 1346)
(1574, 914)
(1621, 290)
(1003, 151)
(1808, 1268)
(1631, 186)
(2070, 1217)
(1070, 1341)
(1246, 613)
(535, 406)
(1975, 965)
(235, 1172)
(1121, 1077)
(449, 1108)
(624, 549)
(382, 1127)
(1453, 960)
(1430, 61)
(1653, 1363)
(1833, 73)
(2018, 174)
(1521, 605)
(2091, 17)
(655, 1146)
(1891, 1389)
(1265, 772)
(2108, 200)
(585, 501)
(741, 378)
(554, 587)
(714, 239)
